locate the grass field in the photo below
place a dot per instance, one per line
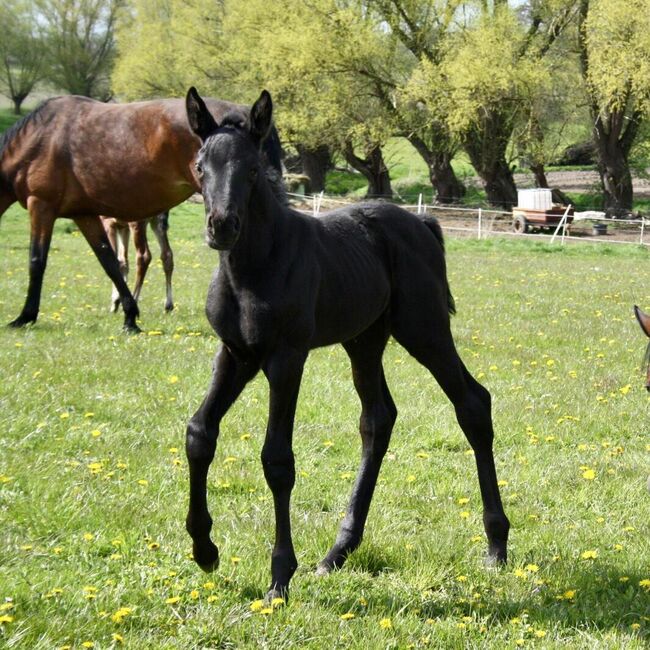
(93, 485)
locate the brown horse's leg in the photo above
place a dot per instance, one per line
(95, 235)
(160, 228)
(430, 342)
(118, 236)
(284, 372)
(142, 254)
(42, 219)
(229, 376)
(378, 414)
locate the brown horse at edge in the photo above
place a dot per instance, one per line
(78, 158)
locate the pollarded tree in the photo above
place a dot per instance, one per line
(494, 72)
(615, 54)
(80, 44)
(307, 54)
(21, 51)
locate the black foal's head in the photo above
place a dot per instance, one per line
(228, 164)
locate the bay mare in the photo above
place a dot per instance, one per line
(287, 283)
(78, 158)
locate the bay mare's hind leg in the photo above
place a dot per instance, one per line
(142, 254)
(378, 414)
(118, 235)
(92, 229)
(229, 376)
(428, 338)
(160, 227)
(42, 219)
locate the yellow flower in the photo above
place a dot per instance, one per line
(277, 602)
(533, 568)
(540, 634)
(120, 614)
(88, 644)
(347, 616)
(257, 605)
(173, 379)
(235, 560)
(173, 600)
(89, 537)
(589, 555)
(5, 618)
(645, 584)
(117, 637)
(266, 610)
(589, 474)
(385, 624)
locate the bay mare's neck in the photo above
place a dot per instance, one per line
(262, 229)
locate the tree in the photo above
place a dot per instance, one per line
(21, 51)
(80, 44)
(615, 57)
(493, 71)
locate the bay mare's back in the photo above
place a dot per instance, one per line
(129, 160)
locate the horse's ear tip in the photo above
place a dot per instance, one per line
(192, 92)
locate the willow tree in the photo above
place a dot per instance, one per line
(493, 71)
(166, 46)
(22, 51)
(307, 54)
(615, 54)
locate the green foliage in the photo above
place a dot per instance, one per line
(22, 50)
(93, 480)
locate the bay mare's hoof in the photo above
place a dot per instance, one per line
(22, 320)
(132, 328)
(206, 555)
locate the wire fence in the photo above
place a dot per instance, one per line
(482, 223)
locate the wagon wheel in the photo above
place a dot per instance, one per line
(519, 224)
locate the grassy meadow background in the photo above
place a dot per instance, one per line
(93, 485)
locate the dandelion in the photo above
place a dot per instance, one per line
(589, 474)
(464, 514)
(153, 546)
(645, 584)
(235, 560)
(118, 638)
(347, 616)
(173, 379)
(88, 644)
(385, 624)
(533, 568)
(462, 501)
(589, 555)
(277, 602)
(173, 600)
(88, 537)
(194, 594)
(120, 614)
(6, 618)
(143, 482)
(257, 605)
(540, 634)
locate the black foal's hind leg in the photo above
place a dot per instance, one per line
(472, 403)
(378, 414)
(42, 223)
(229, 377)
(93, 231)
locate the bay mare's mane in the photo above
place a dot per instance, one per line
(36, 116)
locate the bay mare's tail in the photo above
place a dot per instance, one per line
(434, 227)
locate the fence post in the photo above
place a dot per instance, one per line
(420, 203)
(642, 227)
(480, 222)
(562, 224)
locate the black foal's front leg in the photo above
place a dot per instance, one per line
(284, 372)
(93, 231)
(229, 376)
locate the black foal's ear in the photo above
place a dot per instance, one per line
(261, 117)
(198, 115)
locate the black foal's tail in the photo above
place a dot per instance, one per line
(434, 227)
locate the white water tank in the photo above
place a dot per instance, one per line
(539, 199)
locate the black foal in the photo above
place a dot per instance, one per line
(288, 283)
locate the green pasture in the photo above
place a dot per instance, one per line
(93, 479)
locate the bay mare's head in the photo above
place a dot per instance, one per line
(644, 322)
(229, 164)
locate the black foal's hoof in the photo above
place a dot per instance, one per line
(277, 597)
(206, 555)
(496, 557)
(169, 306)
(21, 321)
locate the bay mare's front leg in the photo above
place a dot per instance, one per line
(93, 231)
(284, 373)
(229, 376)
(42, 217)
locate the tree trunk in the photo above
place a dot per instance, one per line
(315, 163)
(613, 144)
(441, 174)
(486, 145)
(374, 169)
(540, 174)
(18, 102)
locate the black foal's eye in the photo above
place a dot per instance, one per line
(199, 168)
(252, 174)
